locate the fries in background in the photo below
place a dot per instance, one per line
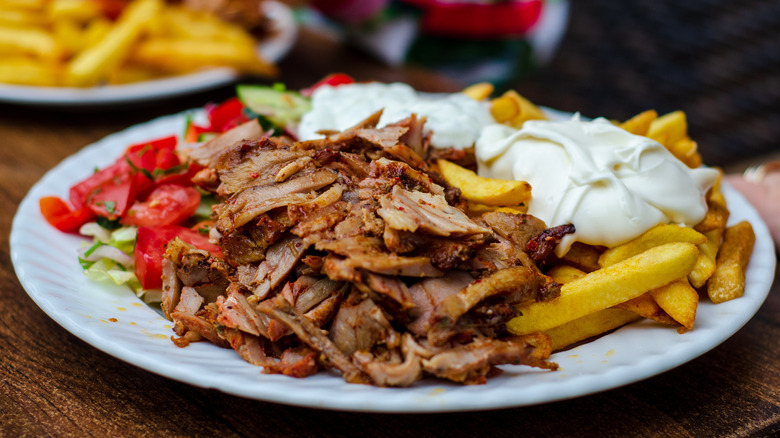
(75, 43)
(728, 280)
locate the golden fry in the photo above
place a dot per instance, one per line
(640, 123)
(655, 236)
(565, 274)
(476, 209)
(26, 71)
(646, 307)
(669, 128)
(728, 281)
(29, 41)
(514, 109)
(589, 326)
(705, 265)
(180, 56)
(608, 287)
(93, 64)
(480, 91)
(583, 256)
(488, 191)
(679, 300)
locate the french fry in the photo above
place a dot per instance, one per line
(514, 109)
(646, 307)
(181, 23)
(686, 150)
(69, 35)
(565, 274)
(93, 64)
(608, 287)
(589, 326)
(488, 191)
(728, 280)
(705, 264)
(179, 56)
(640, 123)
(95, 31)
(477, 209)
(31, 41)
(480, 91)
(669, 128)
(583, 256)
(26, 71)
(655, 236)
(717, 212)
(679, 300)
(80, 11)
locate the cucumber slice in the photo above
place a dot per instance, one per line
(280, 107)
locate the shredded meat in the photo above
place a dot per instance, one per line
(351, 252)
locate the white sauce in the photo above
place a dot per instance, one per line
(455, 120)
(612, 185)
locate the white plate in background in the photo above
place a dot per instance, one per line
(283, 33)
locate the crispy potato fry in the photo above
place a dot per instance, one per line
(179, 56)
(488, 191)
(669, 128)
(655, 236)
(480, 91)
(26, 71)
(717, 212)
(640, 123)
(679, 300)
(686, 150)
(728, 281)
(514, 109)
(608, 287)
(589, 326)
(95, 31)
(646, 307)
(705, 265)
(583, 256)
(94, 63)
(69, 35)
(21, 18)
(476, 209)
(565, 274)
(80, 11)
(31, 41)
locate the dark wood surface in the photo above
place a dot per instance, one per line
(53, 384)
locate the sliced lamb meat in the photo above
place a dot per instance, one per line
(471, 363)
(202, 323)
(236, 312)
(360, 325)
(295, 362)
(281, 310)
(428, 295)
(280, 260)
(392, 373)
(263, 164)
(171, 287)
(412, 211)
(251, 202)
(250, 347)
(208, 153)
(519, 284)
(248, 244)
(408, 176)
(366, 253)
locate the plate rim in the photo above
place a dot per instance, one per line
(281, 389)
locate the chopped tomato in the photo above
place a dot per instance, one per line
(59, 214)
(333, 80)
(227, 115)
(80, 192)
(167, 205)
(150, 249)
(114, 197)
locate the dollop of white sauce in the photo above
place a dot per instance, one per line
(454, 120)
(612, 185)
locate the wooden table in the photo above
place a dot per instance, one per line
(52, 383)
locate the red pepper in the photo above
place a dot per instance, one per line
(333, 79)
(59, 214)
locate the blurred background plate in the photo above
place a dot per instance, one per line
(282, 36)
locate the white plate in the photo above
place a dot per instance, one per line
(113, 320)
(283, 34)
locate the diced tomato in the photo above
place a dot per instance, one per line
(150, 248)
(193, 132)
(114, 197)
(227, 115)
(80, 192)
(333, 79)
(183, 178)
(59, 214)
(167, 205)
(148, 155)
